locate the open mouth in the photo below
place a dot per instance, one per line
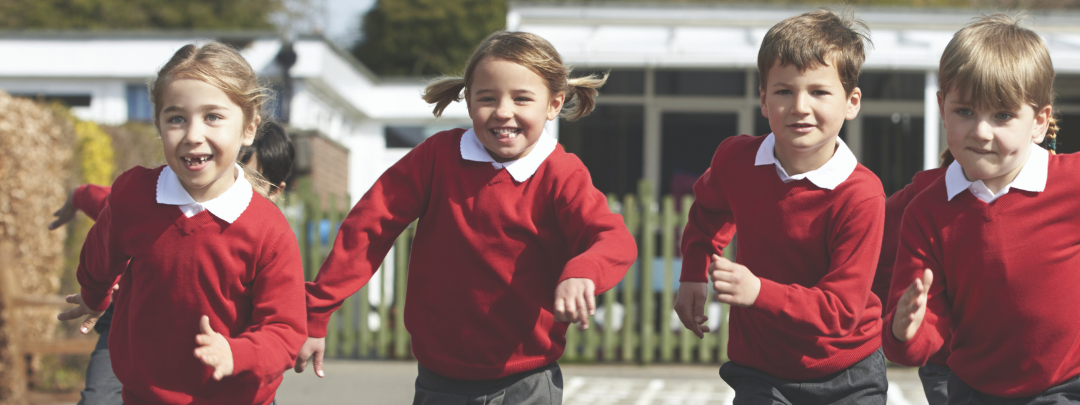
(507, 134)
(195, 161)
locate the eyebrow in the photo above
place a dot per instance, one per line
(208, 107)
(512, 91)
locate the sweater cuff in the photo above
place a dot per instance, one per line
(243, 354)
(695, 267)
(772, 298)
(95, 300)
(903, 353)
(317, 325)
(582, 269)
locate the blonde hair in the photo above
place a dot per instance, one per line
(218, 65)
(814, 39)
(528, 50)
(995, 63)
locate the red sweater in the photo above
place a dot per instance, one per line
(1005, 281)
(245, 276)
(486, 258)
(894, 212)
(814, 250)
(90, 199)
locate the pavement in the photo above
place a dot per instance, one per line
(391, 383)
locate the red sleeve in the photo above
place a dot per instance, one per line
(101, 262)
(278, 325)
(894, 212)
(834, 306)
(711, 224)
(90, 199)
(396, 199)
(603, 248)
(916, 253)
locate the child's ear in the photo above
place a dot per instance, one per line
(250, 130)
(764, 110)
(555, 105)
(1042, 122)
(941, 106)
(854, 104)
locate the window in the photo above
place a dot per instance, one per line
(892, 86)
(701, 83)
(138, 103)
(70, 100)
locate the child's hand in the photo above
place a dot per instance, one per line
(312, 347)
(734, 283)
(575, 300)
(213, 350)
(77, 312)
(912, 307)
(65, 214)
(690, 306)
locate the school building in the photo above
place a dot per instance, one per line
(683, 77)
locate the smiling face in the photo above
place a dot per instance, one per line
(509, 105)
(991, 145)
(202, 131)
(805, 111)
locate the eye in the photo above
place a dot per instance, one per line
(782, 92)
(820, 93)
(175, 120)
(486, 99)
(213, 117)
(1004, 116)
(522, 99)
(964, 112)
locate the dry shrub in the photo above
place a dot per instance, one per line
(35, 149)
(135, 144)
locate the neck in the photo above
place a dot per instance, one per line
(799, 162)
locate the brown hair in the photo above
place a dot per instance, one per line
(528, 50)
(216, 64)
(817, 38)
(995, 63)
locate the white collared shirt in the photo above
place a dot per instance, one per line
(1032, 177)
(520, 169)
(227, 206)
(828, 176)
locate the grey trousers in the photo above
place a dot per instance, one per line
(935, 383)
(1067, 392)
(102, 387)
(861, 384)
(542, 386)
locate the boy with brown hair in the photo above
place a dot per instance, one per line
(804, 326)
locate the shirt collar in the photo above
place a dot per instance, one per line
(520, 169)
(1032, 176)
(228, 206)
(828, 176)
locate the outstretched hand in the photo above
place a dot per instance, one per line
(690, 306)
(911, 309)
(213, 350)
(65, 214)
(81, 310)
(313, 347)
(575, 300)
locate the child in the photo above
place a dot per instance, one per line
(512, 242)
(205, 254)
(271, 155)
(988, 253)
(804, 324)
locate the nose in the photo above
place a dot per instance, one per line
(983, 131)
(801, 104)
(505, 109)
(195, 133)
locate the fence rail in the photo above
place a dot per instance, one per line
(635, 321)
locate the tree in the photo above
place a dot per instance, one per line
(136, 14)
(426, 37)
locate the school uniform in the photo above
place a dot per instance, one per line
(813, 240)
(233, 258)
(492, 242)
(1004, 282)
(934, 375)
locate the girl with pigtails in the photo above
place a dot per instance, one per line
(986, 263)
(512, 243)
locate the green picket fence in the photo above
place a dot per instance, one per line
(637, 322)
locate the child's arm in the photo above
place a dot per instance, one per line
(277, 328)
(834, 306)
(917, 315)
(88, 198)
(101, 263)
(602, 247)
(709, 229)
(396, 199)
(894, 212)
